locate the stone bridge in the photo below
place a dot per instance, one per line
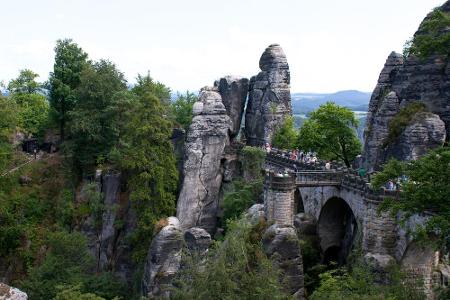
(342, 204)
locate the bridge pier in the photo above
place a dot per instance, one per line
(279, 198)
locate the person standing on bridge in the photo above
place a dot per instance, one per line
(327, 166)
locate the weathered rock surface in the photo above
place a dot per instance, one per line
(197, 239)
(10, 293)
(106, 241)
(234, 92)
(205, 145)
(305, 224)
(412, 79)
(426, 131)
(163, 260)
(379, 264)
(269, 99)
(255, 213)
(281, 244)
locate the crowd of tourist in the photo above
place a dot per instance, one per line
(309, 157)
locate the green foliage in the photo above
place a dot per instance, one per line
(330, 131)
(27, 212)
(252, 160)
(33, 107)
(144, 152)
(74, 293)
(286, 137)
(92, 130)
(70, 61)
(425, 189)
(182, 109)
(240, 198)
(65, 272)
(236, 268)
(8, 122)
(359, 283)
(401, 120)
(311, 262)
(25, 83)
(66, 263)
(433, 36)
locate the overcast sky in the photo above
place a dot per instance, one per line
(330, 45)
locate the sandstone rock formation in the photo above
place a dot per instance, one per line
(106, 241)
(282, 246)
(426, 131)
(10, 293)
(269, 97)
(426, 80)
(163, 260)
(234, 94)
(206, 140)
(197, 239)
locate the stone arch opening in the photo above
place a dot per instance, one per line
(337, 229)
(298, 202)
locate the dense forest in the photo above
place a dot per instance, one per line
(67, 142)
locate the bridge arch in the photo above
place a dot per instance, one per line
(337, 228)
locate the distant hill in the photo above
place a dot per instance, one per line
(306, 102)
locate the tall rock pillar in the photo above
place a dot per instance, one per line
(269, 97)
(206, 140)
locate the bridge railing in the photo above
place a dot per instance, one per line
(318, 177)
(315, 174)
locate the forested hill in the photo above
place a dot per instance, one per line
(306, 102)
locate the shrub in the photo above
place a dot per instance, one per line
(236, 268)
(401, 120)
(433, 36)
(286, 136)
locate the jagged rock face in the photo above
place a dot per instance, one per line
(281, 244)
(412, 79)
(305, 224)
(255, 213)
(234, 92)
(10, 293)
(197, 239)
(379, 117)
(106, 242)
(163, 260)
(427, 131)
(269, 99)
(205, 144)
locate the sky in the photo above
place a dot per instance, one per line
(186, 44)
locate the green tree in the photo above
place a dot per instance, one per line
(425, 189)
(66, 263)
(331, 131)
(70, 61)
(33, 105)
(25, 83)
(286, 137)
(182, 109)
(433, 36)
(93, 131)
(236, 268)
(144, 152)
(9, 118)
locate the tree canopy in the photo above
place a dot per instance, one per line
(182, 109)
(425, 188)
(331, 132)
(33, 107)
(286, 137)
(70, 61)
